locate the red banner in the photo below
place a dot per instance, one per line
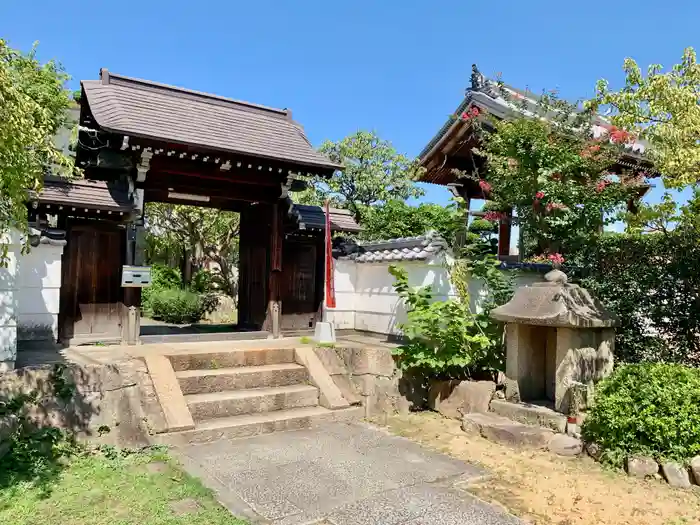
(330, 287)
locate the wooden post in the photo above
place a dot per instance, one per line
(504, 229)
(276, 240)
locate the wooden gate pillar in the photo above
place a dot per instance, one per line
(276, 241)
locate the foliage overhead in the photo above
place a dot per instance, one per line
(33, 107)
(373, 173)
(551, 169)
(649, 409)
(196, 233)
(395, 218)
(664, 109)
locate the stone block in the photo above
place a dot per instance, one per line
(329, 394)
(347, 389)
(641, 466)
(695, 469)
(439, 392)
(676, 474)
(529, 414)
(467, 397)
(331, 361)
(564, 445)
(506, 432)
(594, 450)
(373, 360)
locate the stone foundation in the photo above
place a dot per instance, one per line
(105, 404)
(368, 375)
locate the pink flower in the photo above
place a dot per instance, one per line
(493, 216)
(602, 185)
(465, 116)
(539, 195)
(556, 258)
(475, 112)
(590, 150)
(620, 136)
(485, 186)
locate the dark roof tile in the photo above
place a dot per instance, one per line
(151, 110)
(91, 194)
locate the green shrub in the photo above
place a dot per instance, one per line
(443, 337)
(651, 409)
(650, 281)
(162, 278)
(203, 281)
(165, 276)
(176, 306)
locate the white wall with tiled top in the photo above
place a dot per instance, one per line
(38, 293)
(30, 286)
(366, 299)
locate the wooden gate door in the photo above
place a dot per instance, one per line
(91, 293)
(299, 289)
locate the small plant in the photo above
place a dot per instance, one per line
(444, 337)
(651, 409)
(326, 345)
(305, 340)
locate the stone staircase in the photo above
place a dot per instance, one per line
(239, 392)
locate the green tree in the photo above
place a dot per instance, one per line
(373, 173)
(194, 235)
(395, 218)
(664, 109)
(33, 107)
(555, 174)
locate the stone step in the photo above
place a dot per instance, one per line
(529, 414)
(503, 430)
(240, 378)
(230, 358)
(254, 424)
(251, 401)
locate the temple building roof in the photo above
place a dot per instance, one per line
(150, 110)
(555, 303)
(451, 147)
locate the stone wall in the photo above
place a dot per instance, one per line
(107, 404)
(368, 375)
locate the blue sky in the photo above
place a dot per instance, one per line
(397, 67)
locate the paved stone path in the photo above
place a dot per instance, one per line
(340, 474)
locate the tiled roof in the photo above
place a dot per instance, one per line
(314, 217)
(490, 98)
(91, 194)
(418, 248)
(147, 109)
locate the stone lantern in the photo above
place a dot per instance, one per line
(559, 343)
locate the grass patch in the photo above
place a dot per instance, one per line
(114, 489)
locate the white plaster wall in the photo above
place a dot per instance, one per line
(366, 299)
(343, 315)
(8, 302)
(38, 293)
